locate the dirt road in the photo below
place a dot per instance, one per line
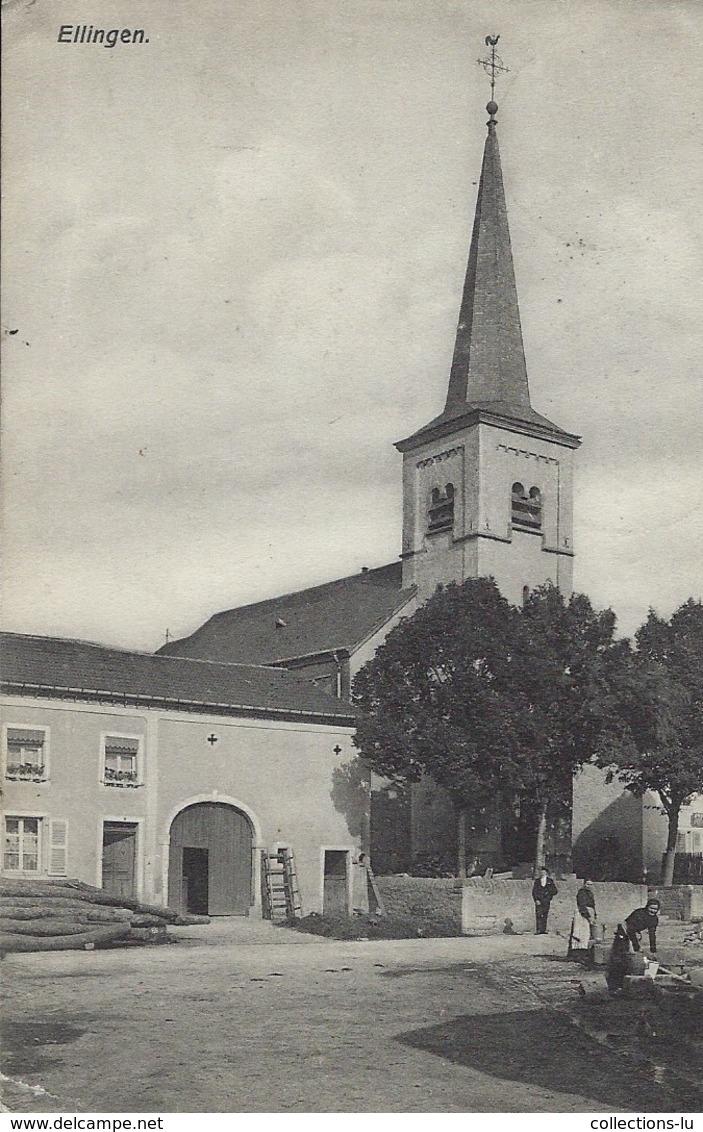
(250, 1018)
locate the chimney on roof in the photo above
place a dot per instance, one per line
(280, 623)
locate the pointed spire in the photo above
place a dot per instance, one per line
(489, 358)
(488, 380)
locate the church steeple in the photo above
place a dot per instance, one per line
(489, 359)
(488, 484)
(488, 373)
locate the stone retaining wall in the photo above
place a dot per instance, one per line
(682, 901)
(431, 899)
(483, 905)
(487, 904)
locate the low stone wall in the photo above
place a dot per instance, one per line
(488, 903)
(695, 902)
(480, 904)
(431, 899)
(682, 901)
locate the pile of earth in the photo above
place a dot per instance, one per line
(367, 926)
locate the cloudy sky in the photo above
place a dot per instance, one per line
(233, 260)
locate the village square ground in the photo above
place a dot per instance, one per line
(247, 1017)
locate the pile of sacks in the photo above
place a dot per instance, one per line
(68, 914)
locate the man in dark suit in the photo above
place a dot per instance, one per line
(543, 892)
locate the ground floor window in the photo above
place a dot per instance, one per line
(22, 844)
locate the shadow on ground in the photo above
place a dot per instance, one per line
(539, 1047)
(25, 1045)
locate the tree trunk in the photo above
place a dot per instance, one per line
(541, 835)
(670, 855)
(461, 842)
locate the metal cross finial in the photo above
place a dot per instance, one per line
(493, 65)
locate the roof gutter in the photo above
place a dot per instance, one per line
(138, 698)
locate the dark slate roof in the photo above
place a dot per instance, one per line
(488, 379)
(340, 616)
(494, 412)
(52, 666)
(489, 358)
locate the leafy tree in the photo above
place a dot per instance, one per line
(488, 699)
(661, 699)
(565, 662)
(432, 697)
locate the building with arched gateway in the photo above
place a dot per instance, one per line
(177, 775)
(177, 781)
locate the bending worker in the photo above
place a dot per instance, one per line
(643, 919)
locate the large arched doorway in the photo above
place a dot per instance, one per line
(210, 861)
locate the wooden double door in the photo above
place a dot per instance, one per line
(210, 861)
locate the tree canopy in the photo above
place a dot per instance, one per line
(488, 698)
(660, 698)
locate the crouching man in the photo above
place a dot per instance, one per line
(641, 920)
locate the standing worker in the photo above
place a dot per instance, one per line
(583, 924)
(586, 904)
(543, 891)
(643, 919)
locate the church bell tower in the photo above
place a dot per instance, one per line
(488, 484)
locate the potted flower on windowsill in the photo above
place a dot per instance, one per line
(114, 777)
(26, 772)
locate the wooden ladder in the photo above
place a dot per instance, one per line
(281, 895)
(375, 897)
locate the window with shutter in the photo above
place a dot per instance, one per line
(58, 847)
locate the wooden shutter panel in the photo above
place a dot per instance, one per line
(58, 847)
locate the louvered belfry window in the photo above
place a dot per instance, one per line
(440, 513)
(526, 507)
(121, 766)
